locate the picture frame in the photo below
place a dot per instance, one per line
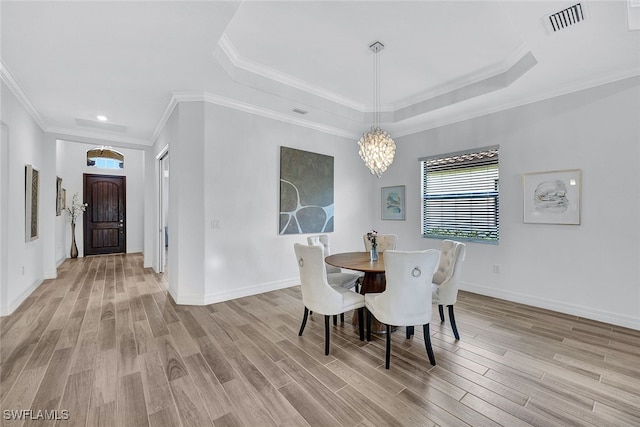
(32, 195)
(64, 199)
(306, 192)
(392, 203)
(59, 206)
(552, 197)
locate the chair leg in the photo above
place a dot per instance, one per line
(368, 325)
(452, 319)
(361, 323)
(387, 358)
(335, 320)
(441, 311)
(327, 331)
(304, 320)
(341, 317)
(427, 344)
(410, 331)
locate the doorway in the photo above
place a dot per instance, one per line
(105, 227)
(164, 212)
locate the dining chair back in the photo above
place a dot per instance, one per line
(406, 300)
(335, 275)
(385, 242)
(320, 297)
(446, 279)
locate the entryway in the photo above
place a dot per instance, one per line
(105, 227)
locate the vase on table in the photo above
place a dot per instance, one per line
(374, 253)
(74, 247)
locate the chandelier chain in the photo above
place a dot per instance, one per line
(377, 148)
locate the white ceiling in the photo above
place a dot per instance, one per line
(443, 60)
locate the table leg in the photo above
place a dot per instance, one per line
(372, 282)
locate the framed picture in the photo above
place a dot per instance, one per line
(552, 197)
(59, 206)
(64, 199)
(31, 198)
(306, 192)
(393, 203)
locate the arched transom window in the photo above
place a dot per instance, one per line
(105, 157)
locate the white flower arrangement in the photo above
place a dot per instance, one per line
(76, 209)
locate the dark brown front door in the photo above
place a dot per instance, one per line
(105, 227)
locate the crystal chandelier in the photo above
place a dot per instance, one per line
(376, 146)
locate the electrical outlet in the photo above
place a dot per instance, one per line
(496, 268)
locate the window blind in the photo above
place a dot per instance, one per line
(460, 197)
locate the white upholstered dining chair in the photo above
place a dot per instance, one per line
(384, 241)
(446, 279)
(335, 275)
(320, 297)
(406, 300)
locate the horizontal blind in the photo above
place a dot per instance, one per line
(460, 196)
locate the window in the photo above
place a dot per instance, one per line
(106, 158)
(460, 196)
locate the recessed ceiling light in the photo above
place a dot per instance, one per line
(102, 118)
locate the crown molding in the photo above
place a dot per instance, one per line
(164, 118)
(63, 133)
(229, 50)
(479, 76)
(210, 98)
(479, 112)
(15, 88)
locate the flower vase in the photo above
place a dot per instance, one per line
(74, 247)
(374, 254)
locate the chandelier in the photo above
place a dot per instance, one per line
(376, 146)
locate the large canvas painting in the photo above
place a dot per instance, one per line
(306, 192)
(552, 197)
(31, 193)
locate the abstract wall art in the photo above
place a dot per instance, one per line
(552, 197)
(306, 192)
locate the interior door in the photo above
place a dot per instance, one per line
(105, 227)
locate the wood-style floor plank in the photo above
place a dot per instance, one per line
(107, 343)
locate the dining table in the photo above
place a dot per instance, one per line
(374, 279)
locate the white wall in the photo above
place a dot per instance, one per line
(242, 171)
(23, 268)
(72, 165)
(236, 182)
(590, 270)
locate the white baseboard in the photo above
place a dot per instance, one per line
(214, 297)
(251, 290)
(559, 306)
(6, 310)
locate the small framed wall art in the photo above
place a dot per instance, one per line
(31, 198)
(552, 197)
(393, 203)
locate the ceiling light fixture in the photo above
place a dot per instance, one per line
(102, 118)
(377, 148)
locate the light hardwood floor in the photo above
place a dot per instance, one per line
(104, 342)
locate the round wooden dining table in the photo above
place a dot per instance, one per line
(374, 278)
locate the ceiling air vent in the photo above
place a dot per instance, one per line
(566, 17)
